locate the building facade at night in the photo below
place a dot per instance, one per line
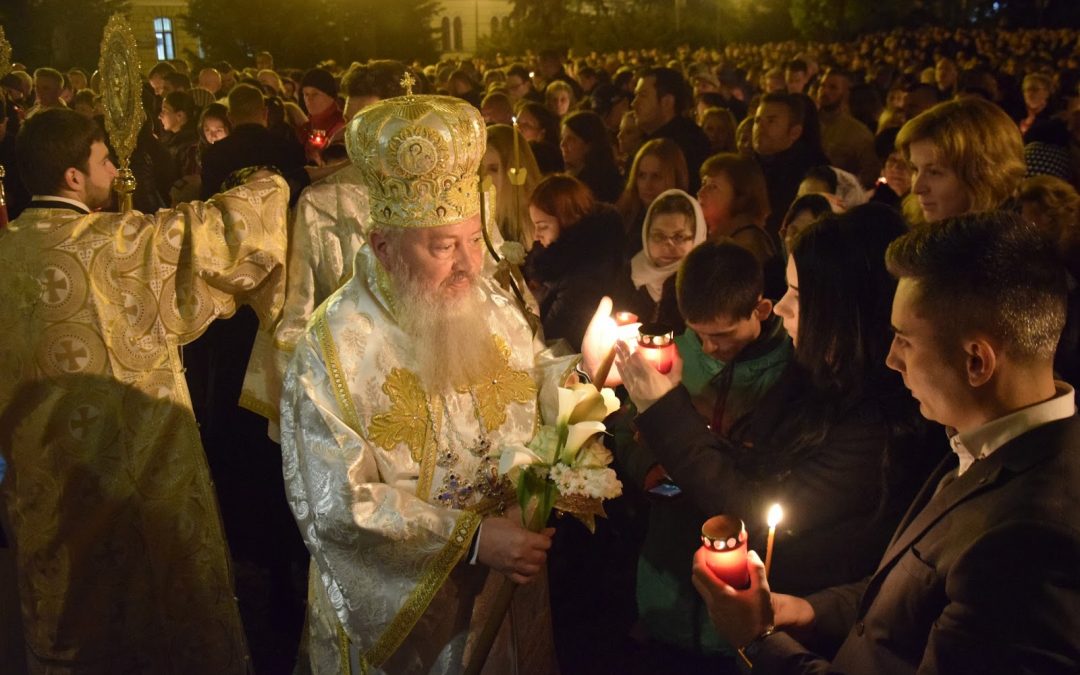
(460, 24)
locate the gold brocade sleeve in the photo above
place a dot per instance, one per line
(229, 250)
(326, 232)
(381, 552)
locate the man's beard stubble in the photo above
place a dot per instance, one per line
(450, 338)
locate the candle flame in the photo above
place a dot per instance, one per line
(776, 514)
(513, 119)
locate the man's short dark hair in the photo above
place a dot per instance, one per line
(519, 71)
(670, 82)
(990, 272)
(49, 143)
(161, 69)
(797, 65)
(380, 78)
(50, 74)
(246, 102)
(793, 102)
(179, 81)
(719, 279)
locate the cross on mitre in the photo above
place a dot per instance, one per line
(408, 81)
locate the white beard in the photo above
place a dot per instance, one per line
(450, 341)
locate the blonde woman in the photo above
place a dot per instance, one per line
(966, 156)
(498, 159)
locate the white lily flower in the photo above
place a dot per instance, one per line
(576, 436)
(516, 455)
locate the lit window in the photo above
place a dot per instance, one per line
(163, 35)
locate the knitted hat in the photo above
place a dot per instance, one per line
(321, 80)
(1048, 159)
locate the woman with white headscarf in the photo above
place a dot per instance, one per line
(674, 224)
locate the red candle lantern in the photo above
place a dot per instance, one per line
(657, 346)
(317, 138)
(724, 539)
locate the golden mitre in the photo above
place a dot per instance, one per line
(419, 156)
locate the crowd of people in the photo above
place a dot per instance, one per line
(867, 254)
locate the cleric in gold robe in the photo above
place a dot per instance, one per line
(407, 380)
(122, 562)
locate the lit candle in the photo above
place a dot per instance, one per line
(618, 320)
(517, 150)
(317, 138)
(724, 539)
(776, 514)
(657, 346)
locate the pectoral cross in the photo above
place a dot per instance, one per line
(408, 81)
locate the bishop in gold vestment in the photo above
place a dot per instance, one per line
(122, 561)
(389, 475)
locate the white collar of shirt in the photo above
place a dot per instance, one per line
(54, 198)
(980, 443)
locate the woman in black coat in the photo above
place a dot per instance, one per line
(837, 440)
(577, 256)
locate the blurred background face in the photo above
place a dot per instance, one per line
(317, 101)
(651, 179)
(170, 119)
(788, 307)
(545, 225)
(529, 127)
(716, 197)
(214, 130)
(630, 135)
(772, 129)
(1036, 95)
(573, 149)
(558, 102)
(897, 174)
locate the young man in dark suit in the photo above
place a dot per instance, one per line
(983, 574)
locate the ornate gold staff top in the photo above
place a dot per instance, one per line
(5, 66)
(121, 90)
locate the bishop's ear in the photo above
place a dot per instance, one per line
(380, 246)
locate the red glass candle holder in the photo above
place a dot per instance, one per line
(724, 539)
(317, 138)
(657, 345)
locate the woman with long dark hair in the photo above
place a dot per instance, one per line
(837, 440)
(588, 155)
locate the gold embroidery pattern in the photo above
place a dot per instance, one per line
(500, 388)
(333, 365)
(431, 581)
(431, 454)
(408, 420)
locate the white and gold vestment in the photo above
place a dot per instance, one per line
(327, 231)
(389, 483)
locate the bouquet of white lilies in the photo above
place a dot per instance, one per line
(565, 466)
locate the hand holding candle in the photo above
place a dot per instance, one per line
(776, 514)
(598, 345)
(657, 345)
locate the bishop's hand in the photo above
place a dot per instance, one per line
(506, 546)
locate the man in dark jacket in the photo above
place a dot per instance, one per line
(661, 101)
(251, 144)
(983, 574)
(786, 146)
